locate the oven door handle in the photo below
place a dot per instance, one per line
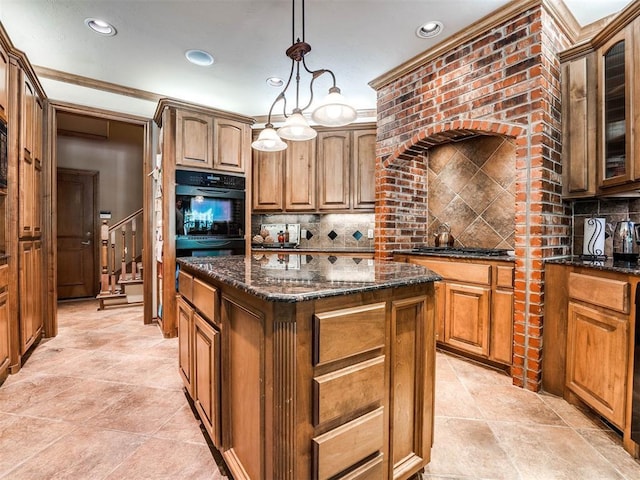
(214, 190)
(213, 243)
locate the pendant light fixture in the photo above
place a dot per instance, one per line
(333, 111)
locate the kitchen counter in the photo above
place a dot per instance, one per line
(301, 277)
(274, 248)
(310, 366)
(457, 254)
(608, 265)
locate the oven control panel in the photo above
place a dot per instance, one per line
(209, 179)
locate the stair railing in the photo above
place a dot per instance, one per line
(128, 253)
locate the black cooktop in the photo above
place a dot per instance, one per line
(481, 252)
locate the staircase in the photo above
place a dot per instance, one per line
(125, 286)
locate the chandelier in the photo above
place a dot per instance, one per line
(333, 111)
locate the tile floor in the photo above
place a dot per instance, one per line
(103, 400)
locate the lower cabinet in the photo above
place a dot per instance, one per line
(185, 343)
(467, 317)
(4, 321)
(30, 273)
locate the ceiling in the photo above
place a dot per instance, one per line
(357, 39)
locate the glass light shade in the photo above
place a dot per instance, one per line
(268, 141)
(296, 128)
(334, 111)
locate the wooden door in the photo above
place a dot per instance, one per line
(27, 295)
(364, 170)
(267, 181)
(300, 192)
(232, 145)
(185, 343)
(4, 320)
(77, 214)
(597, 354)
(333, 170)
(4, 84)
(206, 349)
(194, 140)
(467, 318)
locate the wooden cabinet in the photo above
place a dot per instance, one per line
(4, 85)
(474, 308)
(185, 344)
(30, 290)
(30, 163)
(194, 139)
(600, 111)
(333, 173)
(206, 376)
(300, 174)
(5, 358)
(589, 323)
(268, 181)
(232, 145)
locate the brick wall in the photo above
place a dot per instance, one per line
(502, 82)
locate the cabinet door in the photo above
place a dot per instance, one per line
(36, 286)
(502, 327)
(194, 140)
(616, 66)
(300, 184)
(333, 170)
(206, 349)
(363, 188)
(267, 181)
(579, 127)
(4, 85)
(467, 318)
(597, 354)
(26, 174)
(4, 320)
(185, 344)
(37, 168)
(27, 295)
(232, 145)
(28, 107)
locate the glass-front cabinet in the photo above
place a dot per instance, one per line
(615, 111)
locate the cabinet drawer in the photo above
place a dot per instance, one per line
(464, 272)
(185, 285)
(603, 292)
(348, 444)
(343, 333)
(370, 470)
(504, 276)
(347, 390)
(205, 299)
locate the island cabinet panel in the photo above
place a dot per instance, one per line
(206, 395)
(205, 299)
(244, 390)
(412, 385)
(597, 359)
(342, 447)
(467, 317)
(194, 139)
(348, 389)
(344, 333)
(185, 344)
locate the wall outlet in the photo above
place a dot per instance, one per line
(370, 233)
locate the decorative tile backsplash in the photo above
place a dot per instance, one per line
(331, 231)
(471, 187)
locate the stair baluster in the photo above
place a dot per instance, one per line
(104, 257)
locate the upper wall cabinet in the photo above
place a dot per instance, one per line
(4, 85)
(601, 111)
(207, 139)
(333, 173)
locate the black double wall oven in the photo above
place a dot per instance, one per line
(210, 210)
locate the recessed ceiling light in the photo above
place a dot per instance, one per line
(199, 57)
(275, 82)
(100, 26)
(429, 29)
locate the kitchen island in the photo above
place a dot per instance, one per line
(310, 366)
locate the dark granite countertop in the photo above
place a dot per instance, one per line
(444, 253)
(283, 277)
(608, 265)
(272, 248)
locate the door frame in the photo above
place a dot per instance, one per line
(50, 207)
(95, 177)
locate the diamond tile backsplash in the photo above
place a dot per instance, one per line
(471, 187)
(334, 230)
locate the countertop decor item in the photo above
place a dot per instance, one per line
(594, 236)
(333, 111)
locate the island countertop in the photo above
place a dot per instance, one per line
(288, 277)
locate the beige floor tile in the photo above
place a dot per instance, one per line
(573, 416)
(34, 390)
(183, 426)
(609, 446)
(160, 459)
(453, 400)
(444, 371)
(145, 371)
(82, 454)
(552, 453)
(47, 358)
(468, 449)
(22, 437)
